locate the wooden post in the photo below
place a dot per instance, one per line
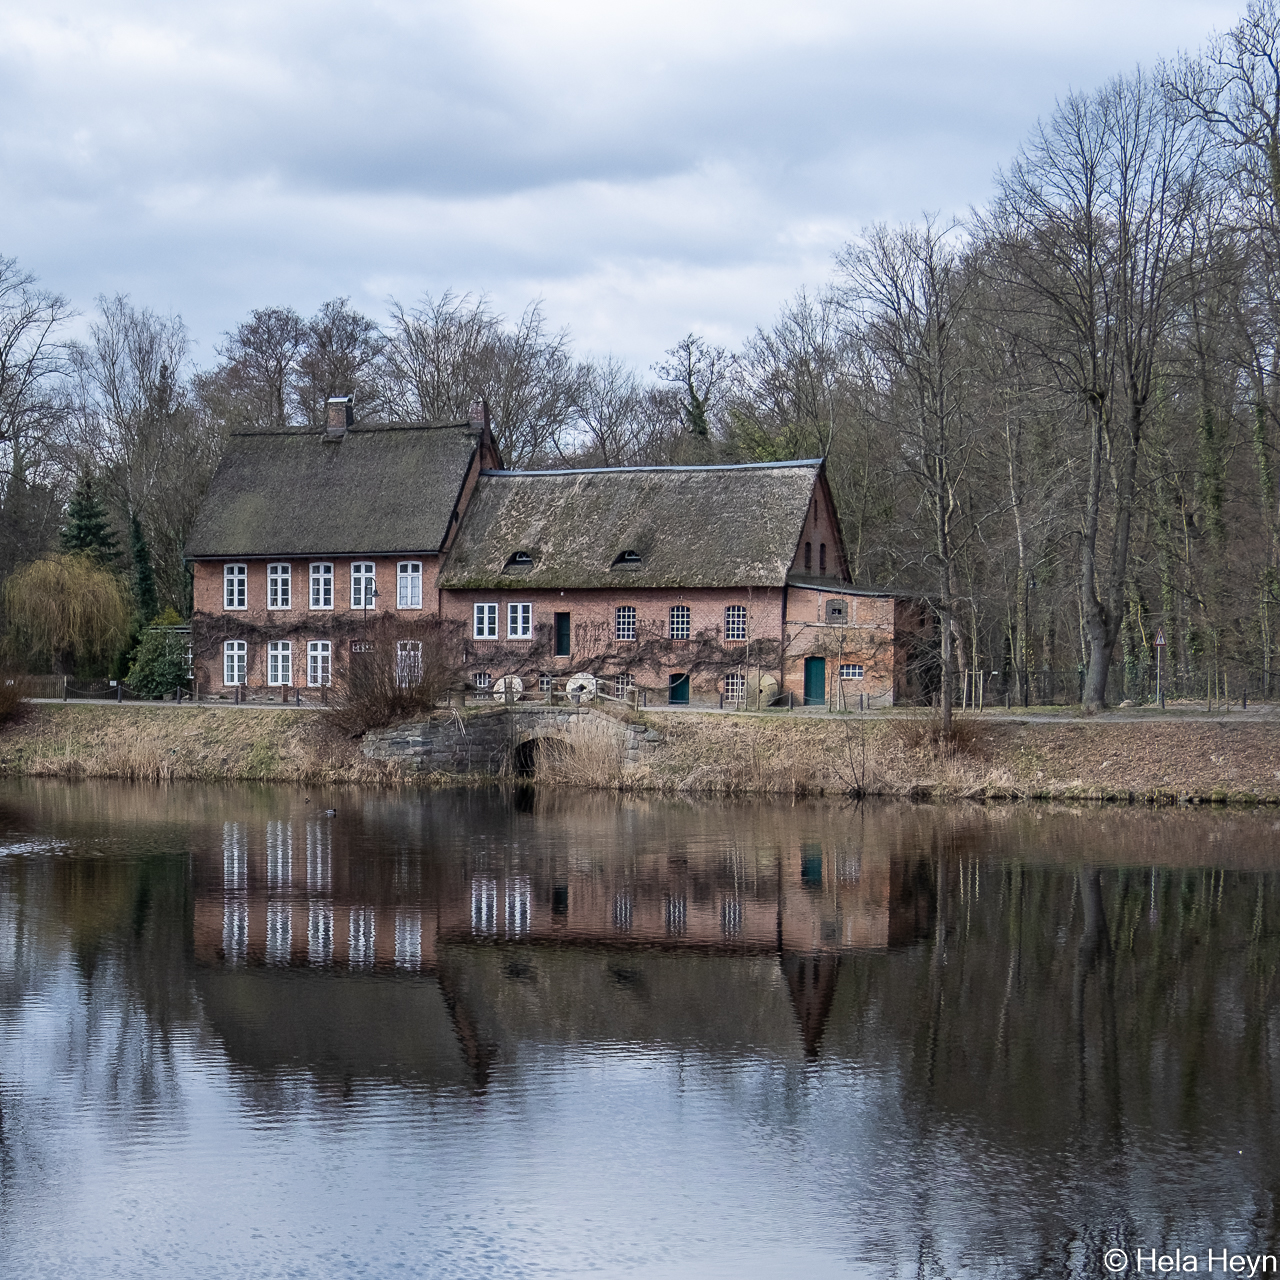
(64, 688)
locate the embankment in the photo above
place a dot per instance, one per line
(1229, 758)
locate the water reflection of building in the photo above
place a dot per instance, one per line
(284, 899)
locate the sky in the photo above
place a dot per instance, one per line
(647, 170)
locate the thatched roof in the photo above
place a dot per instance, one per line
(734, 526)
(389, 488)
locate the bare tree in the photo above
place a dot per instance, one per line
(700, 371)
(339, 356)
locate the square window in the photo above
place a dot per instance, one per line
(486, 622)
(322, 586)
(409, 584)
(519, 621)
(363, 592)
(234, 659)
(622, 684)
(679, 621)
(735, 622)
(544, 683)
(837, 613)
(280, 662)
(624, 622)
(319, 663)
(408, 663)
(481, 679)
(235, 584)
(851, 671)
(279, 581)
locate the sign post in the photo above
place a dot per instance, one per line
(1159, 652)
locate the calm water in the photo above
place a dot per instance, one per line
(474, 1035)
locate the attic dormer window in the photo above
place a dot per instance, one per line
(518, 562)
(628, 560)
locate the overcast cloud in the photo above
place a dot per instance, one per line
(647, 169)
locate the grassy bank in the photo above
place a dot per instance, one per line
(204, 744)
(1234, 758)
(994, 757)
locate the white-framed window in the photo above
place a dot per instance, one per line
(279, 582)
(735, 622)
(851, 671)
(624, 622)
(622, 683)
(408, 663)
(486, 622)
(481, 679)
(363, 592)
(235, 656)
(322, 586)
(679, 621)
(735, 686)
(544, 683)
(280, 662)
(519, 621)
(409, 584)
(361, 938)
(319, 663)
(235, 586)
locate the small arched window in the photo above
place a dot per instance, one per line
(519, 562)
(808, 556)
(628, 560)
(822, 557)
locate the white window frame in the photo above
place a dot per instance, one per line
(623, 683)
(738, 613)
(235, 586)
(735, 686)
(481, 679)
(280, 586)
(322, 584)
(519, 622)
(484, 619)
(235, 661)
(851, 671)
(409, 584)
(319, 664)
(365, 574)
(680, 622)
(544, 683)
(408, 663)
(624, 622)
(280, 662)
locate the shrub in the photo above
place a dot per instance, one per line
(159, 664)
(400, 670)
(926, 736)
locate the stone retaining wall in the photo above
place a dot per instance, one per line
(487, 742)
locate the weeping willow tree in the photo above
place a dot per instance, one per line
(68, 610)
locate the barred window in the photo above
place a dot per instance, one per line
(279, 581)
(735, 686)
(624, 622)
(679, 621)
(735, 622)
(234, 657)
(235, 586)
(322, 586)
(623, 683)
(851, 671)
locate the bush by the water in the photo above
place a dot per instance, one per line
(159, 664)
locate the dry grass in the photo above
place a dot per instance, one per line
(591, 757)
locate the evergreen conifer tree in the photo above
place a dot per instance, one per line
(144, 578)
(87, 529)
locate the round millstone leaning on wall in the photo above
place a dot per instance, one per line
(490, 742)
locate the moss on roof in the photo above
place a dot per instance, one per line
(386, 488)
(692, 527)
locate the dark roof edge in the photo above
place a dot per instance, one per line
(845, 589)
(309, 555)
(359, 428)
(718, 466)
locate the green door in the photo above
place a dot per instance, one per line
(815, 682)
(562, 635)
(678, 688)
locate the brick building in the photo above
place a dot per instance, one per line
(691, 583)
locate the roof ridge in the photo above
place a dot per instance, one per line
(359, 428)
(714, 466)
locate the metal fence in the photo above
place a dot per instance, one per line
(1227, 685)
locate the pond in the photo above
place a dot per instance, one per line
(492, 1034)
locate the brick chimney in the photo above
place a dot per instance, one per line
(342, 414)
